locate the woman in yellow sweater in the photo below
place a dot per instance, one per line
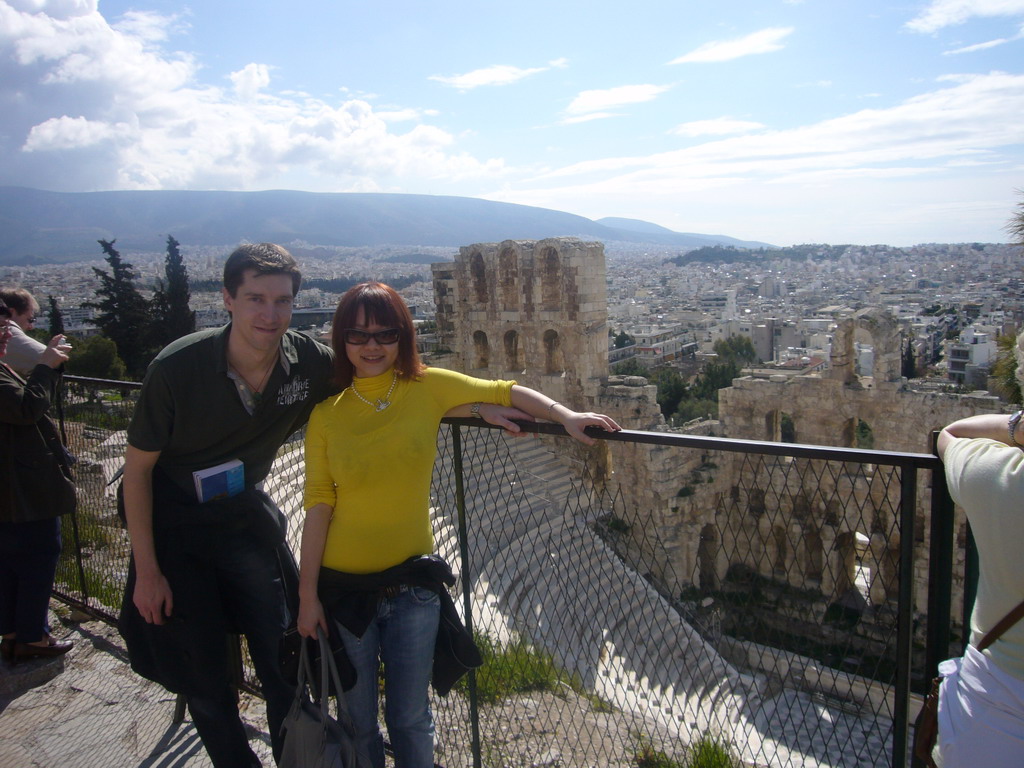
(369, 459)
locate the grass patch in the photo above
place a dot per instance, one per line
(710, 752)
(646, 756)
(511, 669)
(520, 668)
(706, 752)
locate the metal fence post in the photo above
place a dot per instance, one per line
(74, 513)
(905, 615)
(467, 592)
(940, 578)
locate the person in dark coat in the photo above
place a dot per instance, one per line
(37, 489)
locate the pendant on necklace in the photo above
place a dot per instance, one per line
(381, 403)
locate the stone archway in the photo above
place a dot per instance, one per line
(513, 352)
(886, 342)
(481, 349)
(478, 270)
(707, 558)
(554, 363)
(508, 279)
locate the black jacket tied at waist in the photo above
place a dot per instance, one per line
(189, 539)
(351, 600)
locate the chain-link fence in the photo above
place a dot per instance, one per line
(766, 611)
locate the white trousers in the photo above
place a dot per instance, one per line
(981, 715)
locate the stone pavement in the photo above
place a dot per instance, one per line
(89, 710)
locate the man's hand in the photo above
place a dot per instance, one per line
(56, 352)
(153, 598)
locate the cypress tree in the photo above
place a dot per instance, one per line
(124, 313)
(56, 317)
(174, 319)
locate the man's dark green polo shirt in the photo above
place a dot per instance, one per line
(190, 410)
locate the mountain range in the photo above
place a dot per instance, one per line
(53, 227)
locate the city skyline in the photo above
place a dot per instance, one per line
(785, 122)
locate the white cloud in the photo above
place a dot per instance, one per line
(946, 13)
(763, 41)
(722, 126)
(499, 74)
(87, 105)
(71, 133)
(976, 47)
(937, 125)
(250, 80)
(591, 102)
(940, 146)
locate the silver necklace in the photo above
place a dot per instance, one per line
(382, 402)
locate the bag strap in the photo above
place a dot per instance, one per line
(1007, 621)
(329, 666)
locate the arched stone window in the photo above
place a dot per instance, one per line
(755, 501)
(707, 555)
(513, 352)
(844, 561)
(814, 553)
(864, 435)
(481, 349)
(550, 279)
(553, 362)
(781, 540)
(779, 427)
(479, 274)
(508, 279)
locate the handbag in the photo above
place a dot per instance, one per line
(926, 727)
(311, 737)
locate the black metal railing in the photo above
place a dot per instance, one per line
(771, 603)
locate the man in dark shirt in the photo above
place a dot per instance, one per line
(202, 570)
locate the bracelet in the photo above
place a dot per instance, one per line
(552, 405)
(1011, 427)
(474, 410)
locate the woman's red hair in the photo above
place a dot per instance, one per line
(382, 305)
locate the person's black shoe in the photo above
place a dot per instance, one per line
(25, 651)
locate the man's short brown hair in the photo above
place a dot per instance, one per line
(18, 300)
(263, 259)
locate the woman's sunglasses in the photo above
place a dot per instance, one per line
(360, 337)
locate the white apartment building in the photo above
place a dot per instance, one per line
(969, 358)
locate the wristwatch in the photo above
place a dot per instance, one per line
(474, 410)
(1011, 427)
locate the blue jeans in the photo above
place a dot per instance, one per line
(402, 637)
(248, 579)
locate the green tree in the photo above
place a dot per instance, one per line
(630, 367)
(124, 313)
(96, 357)
(1004, 370)
(622, 339)
(695, 408)
(56, 317)
(672, 390)
(171, 313)
(714, 377)
(739, 349)
(787, 429)
(1015, 227)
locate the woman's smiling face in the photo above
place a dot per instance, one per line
(371, 358)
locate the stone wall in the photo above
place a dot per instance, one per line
(536, 311)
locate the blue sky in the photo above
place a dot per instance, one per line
(785, 121)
